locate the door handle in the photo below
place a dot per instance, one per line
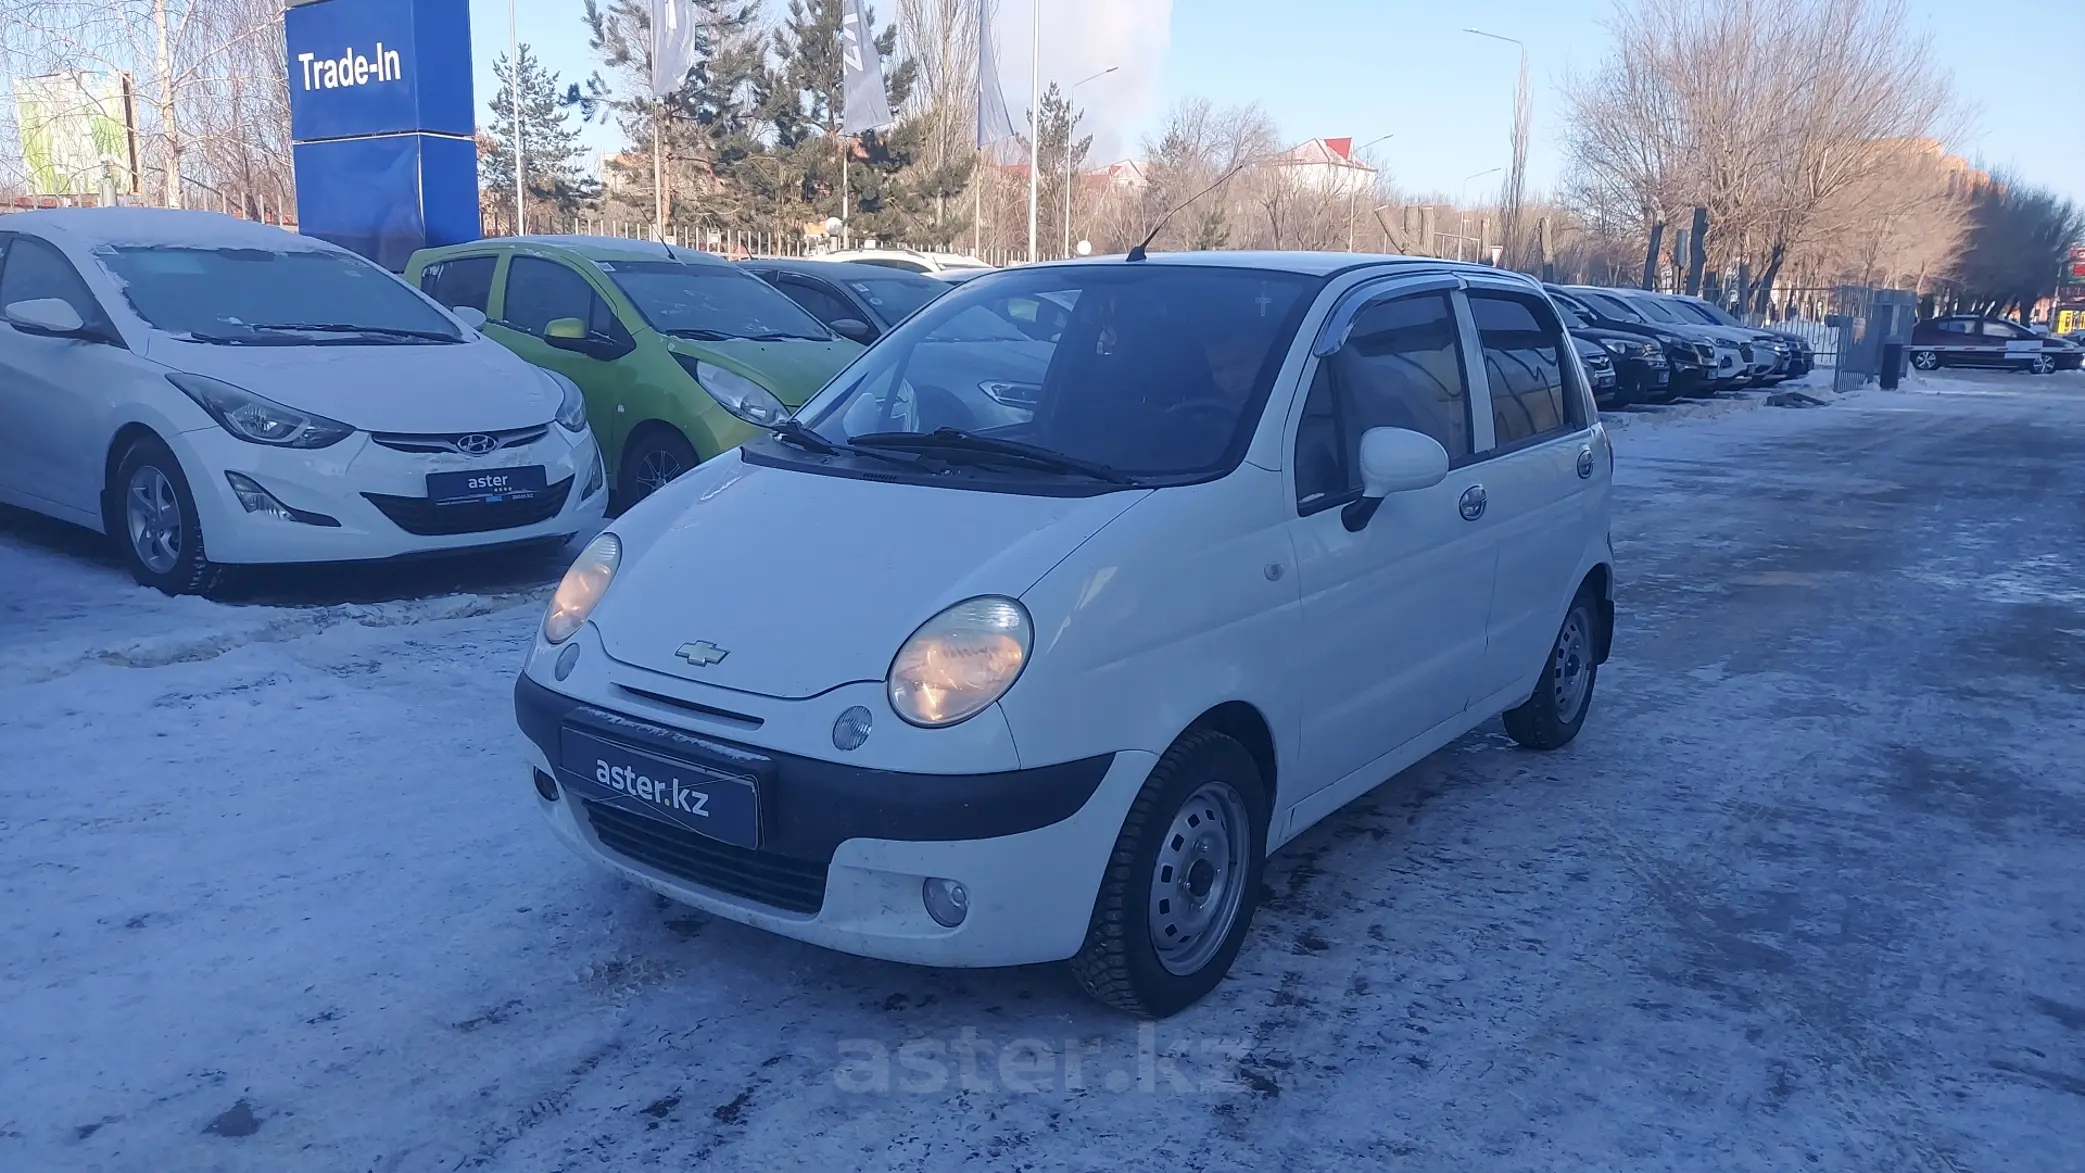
(1473, 502)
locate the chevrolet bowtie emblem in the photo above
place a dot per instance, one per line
(702, 654)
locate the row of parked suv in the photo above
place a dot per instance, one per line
(1644, 347)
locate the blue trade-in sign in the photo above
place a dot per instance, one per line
(366, 67)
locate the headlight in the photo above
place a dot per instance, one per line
(960, 661)
(256, 419)
(571, 411)
(582, 588)
(736, 394)
(1613, 347)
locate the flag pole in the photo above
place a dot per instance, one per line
(1034, 122)
(514, 101)
(658, 174)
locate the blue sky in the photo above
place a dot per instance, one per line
(1373, 67)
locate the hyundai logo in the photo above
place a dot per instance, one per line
(476, 444)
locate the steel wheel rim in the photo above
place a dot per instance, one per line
(656, 470)
(1198, 882)
(152, 515)
(1571, 666)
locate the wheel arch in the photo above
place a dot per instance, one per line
(119, 446)
(1242, 722)
(1599, 582)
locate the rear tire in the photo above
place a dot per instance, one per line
(1186, 871)
(150, 513)
(1552, 717)
(2043, 365)
(652, 460)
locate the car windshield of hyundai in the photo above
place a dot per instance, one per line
(1709, 314)
(264, 297)
(1150, 374)
(711, 302)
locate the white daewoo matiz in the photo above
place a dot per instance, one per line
(966, 668)
(210, 392)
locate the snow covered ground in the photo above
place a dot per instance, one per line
(273, 894)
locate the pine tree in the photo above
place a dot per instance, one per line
(550, 145)
(804, 105)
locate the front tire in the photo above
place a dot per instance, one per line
(1925, 360)
(152, 516)
(1552, 717)
(1181, 883)
(651, 462)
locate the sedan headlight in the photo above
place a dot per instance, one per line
(256, 419)
(582, 588)
(571, 410)
(960, 661)
(735, 393)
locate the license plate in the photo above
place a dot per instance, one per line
(1663, 377)
(486, 486)
(698, 798)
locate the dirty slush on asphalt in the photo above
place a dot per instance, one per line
(1802, 893)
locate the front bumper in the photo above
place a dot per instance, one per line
(857, 843)
(339, 483)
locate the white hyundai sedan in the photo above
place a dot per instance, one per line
(910, 678)
(211, 392)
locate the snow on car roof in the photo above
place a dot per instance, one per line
(1315, 264)
(610, 248)
(160, 228)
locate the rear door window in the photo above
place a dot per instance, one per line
(1524, 367)
(461, 282)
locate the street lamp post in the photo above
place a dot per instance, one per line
(1461, 196)
(1034, 122)
(1510, 212)
(1070, 105)
(1350, 195)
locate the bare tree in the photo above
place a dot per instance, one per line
(1773, 114)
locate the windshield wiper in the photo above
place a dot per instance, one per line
(795, 434)
(348, 328)
(777, 336)
(950, 442)
(701, 334)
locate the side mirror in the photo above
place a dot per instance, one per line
(470, 316)
(567, 334)
(1394, 460)
(49, 316)
(853, 328)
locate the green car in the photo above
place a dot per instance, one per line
(681, 355)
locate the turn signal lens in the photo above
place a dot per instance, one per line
(960, 661)
(582, 588)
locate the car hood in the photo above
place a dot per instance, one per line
(793, 369)
(808, 581)
(475, 386)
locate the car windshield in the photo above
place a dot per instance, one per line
(1565, 310)
(710, 302)
(1655, 310)
(1694, 312)
(1149, 371)
(896, 296)
(1716, 314)
(1611, 307)
(262, 297)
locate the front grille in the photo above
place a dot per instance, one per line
(418, 515)
(449, 442)
(776, 880)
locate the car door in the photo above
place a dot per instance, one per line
(1393, 615)
(1544, 477)
(52, 390)
(2010, 345)
(537, 291)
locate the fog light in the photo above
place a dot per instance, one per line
(546, 786)
(947, 901)
(852, 728)
(566, 661)
(255, 499)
